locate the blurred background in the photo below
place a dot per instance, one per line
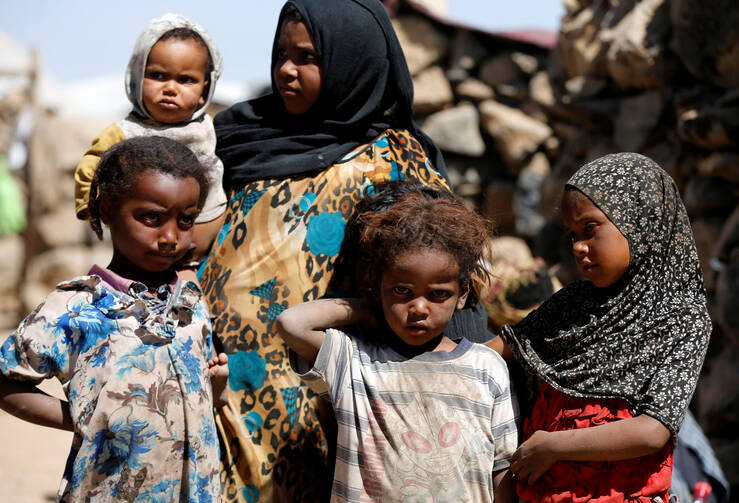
(517, 95)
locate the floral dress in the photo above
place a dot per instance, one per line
(277, 249)
(133, 368)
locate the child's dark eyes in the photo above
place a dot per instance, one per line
(186, 221)
(155, 75)
(401, 290)
(150, 219)
(309, 57)
(440, 295)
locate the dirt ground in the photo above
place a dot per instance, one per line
(31, 457)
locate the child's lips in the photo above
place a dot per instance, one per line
(169, 104)
(288, 91)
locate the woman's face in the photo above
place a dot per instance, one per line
(297, 70)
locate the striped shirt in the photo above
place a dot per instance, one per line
(431, 427)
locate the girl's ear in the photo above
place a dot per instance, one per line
(462, 299)
(104, 209)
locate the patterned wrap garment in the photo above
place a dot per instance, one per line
(643, 339)
(277, 249)
(134, 370)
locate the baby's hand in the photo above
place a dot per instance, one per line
(534, 457)
(218, 372)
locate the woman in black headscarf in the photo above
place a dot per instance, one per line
(338, 120)
(619, 354)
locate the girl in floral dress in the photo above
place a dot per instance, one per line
(619, 353)
(130, 343)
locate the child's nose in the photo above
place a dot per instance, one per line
(168, 236)
(418, 306)
(579, 248)
(170, 87)
(288, 69)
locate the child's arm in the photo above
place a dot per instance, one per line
(25, 401)
(218, 371)
(498, 345)
(624, 439)
(302, 326)
(504, 488)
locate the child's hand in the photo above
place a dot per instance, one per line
(218, 372)
(534, 457)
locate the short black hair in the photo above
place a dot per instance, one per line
(121, 164)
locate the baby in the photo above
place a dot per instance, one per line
(170, 81)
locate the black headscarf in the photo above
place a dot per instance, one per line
(643, 339)
(364, 74)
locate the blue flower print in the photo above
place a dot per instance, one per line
(141, 357)
(325, 233)
(122, 442)
(246, 370)
(187, 364)
(84, 324)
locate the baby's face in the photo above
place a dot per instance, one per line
(174, 80)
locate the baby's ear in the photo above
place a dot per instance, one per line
(201, 101)
(462, 299)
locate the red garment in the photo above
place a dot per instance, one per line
(631, 480)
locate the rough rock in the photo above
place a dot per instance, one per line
(497, 205)
(516, 135)
(456, 130)
(527, 63)
(527, 198)
(727, 302)
(713, 126)
(581, 87)
(465, 54)
(637, 117)
(580, 48)
(704, 196)
(723, 165)
(637, 54)
(61, 228)
(432, 91)
(705, 231)
(540, 89)
(719, 393)
(474, 90)
(499, 69)
(423, 45)
(704, 36)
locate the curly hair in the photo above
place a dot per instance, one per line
(121, 164)
(416, 222)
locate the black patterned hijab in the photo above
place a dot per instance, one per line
(644, 338)
(366, 89)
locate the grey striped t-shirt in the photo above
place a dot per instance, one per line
(435, 425)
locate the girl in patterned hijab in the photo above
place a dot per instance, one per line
(618, 354)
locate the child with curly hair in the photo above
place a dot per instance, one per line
(419, 415)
